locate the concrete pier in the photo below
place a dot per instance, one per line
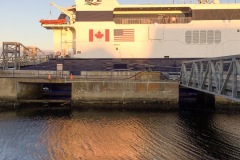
(133, 94)
(143, 90)
(96, 89)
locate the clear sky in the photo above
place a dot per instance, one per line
(20, 19)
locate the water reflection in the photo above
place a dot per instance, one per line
(100, 135)
(65, 133)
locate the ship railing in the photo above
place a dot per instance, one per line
(40, 58)
(85, 75)
(168, 20)
(68, 76)
(109, 75)
(12, 73)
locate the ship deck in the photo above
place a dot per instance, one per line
(141, 64)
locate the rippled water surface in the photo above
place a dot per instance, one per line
(43, 133)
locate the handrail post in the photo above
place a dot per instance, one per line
(234, 81)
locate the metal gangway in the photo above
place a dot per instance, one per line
(217, 76)
(15, 55)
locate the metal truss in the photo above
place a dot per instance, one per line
(12, 57)
(11, 52)
(218, 76)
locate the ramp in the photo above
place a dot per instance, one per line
(218, 76)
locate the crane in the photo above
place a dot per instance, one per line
(70, 14)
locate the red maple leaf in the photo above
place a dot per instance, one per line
(99, 35)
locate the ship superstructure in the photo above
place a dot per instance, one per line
(107, 29)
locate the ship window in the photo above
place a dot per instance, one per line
(195, 37)
(188, 37)
(151, 15)
(210, 36)
(203, 37)
(218, 36)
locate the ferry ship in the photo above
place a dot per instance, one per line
(107, 29)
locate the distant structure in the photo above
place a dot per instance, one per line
(14, 54)
(31, 52)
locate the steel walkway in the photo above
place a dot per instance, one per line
(218, 76)
(15, 55)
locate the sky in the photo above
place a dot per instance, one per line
(20, 19)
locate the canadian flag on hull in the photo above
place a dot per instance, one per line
(99, 35)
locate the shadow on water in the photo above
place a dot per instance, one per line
(200, 129)
(44, 111)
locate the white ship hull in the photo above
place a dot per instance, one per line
(99, 39)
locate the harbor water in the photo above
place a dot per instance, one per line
(65, 133)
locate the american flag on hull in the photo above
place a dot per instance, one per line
(123, 35)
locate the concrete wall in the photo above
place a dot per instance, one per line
(124, 75)
(148, 76)
(13, 89)
(125, 93)
(128, 89)
(8, 88)
(224, 104)
(141, 90)
(29, 90)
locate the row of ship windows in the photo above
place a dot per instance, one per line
(203, 37)
(167, 20)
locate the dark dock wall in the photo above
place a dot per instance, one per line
(193, 99)
(29, 90)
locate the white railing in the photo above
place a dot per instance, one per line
(169, 20)
(33, 74)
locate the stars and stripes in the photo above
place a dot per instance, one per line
(124, 35)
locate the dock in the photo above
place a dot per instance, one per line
(121, 82)
(102, 88)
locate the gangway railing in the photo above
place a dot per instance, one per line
(218, 76)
